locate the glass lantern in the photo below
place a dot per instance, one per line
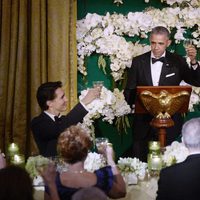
(154, 158)
(18, 159)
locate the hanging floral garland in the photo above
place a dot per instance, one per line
(105, 34)
(182, 3)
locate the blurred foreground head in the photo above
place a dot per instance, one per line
(90, 193)
(15, 183)
(191, 134)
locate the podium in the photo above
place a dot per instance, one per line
(162, 102)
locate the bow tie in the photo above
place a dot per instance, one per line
(57, 119)
(154, 60)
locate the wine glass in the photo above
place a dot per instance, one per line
(187, 43)
(101, 142)
(97, 84)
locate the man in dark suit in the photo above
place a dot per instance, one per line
(50, 123)
(158, 68)
(181, 181)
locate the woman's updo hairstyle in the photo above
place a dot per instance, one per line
(73, 144)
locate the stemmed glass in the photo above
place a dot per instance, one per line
(101, 142)
(97, 84)
(187, 43)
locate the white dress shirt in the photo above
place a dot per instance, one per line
(156, 70)
(51, 115)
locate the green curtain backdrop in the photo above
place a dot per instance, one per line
(121, 141)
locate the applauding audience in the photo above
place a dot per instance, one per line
(73, 146)
(181, 181)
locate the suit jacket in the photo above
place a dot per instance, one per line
(180, 181)
(46, 131)
(174, 70)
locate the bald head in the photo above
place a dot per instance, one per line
(191, 134)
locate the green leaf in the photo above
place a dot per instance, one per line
(122, 123)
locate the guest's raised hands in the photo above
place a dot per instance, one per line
(191, 53)
(49, 176)
(92, 94)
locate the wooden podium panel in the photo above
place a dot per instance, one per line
(139, 107)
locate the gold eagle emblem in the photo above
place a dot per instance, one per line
(164, 104)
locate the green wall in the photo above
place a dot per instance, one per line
(101, 7)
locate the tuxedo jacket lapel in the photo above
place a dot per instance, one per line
(147, 68)
(163, 74)
(166, 69)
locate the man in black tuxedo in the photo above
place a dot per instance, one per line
(50, 123)
(181, 181)
(158, 68)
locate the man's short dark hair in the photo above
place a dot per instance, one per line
(160, 30)
(46, 92)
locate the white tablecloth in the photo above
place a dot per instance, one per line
(144, 190)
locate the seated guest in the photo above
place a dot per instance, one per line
(15, 183)
(181, 181)
(88, 193)
(73, 146)
(49, 124)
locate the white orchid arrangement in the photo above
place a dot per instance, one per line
(32, 162)
(175, 153)
(94, 161)
(105, 35)
(193, 3)
(194, 104)
(109, 105)
(132, 168)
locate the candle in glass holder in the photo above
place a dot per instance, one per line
(156, 162)
(13, 149)
(154, 157)
(18, 159)
(154, 145)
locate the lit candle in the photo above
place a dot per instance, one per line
(18, 159)
(154, 145)
(156, 162)
(13, 149)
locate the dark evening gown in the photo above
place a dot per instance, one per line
(105, 180)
